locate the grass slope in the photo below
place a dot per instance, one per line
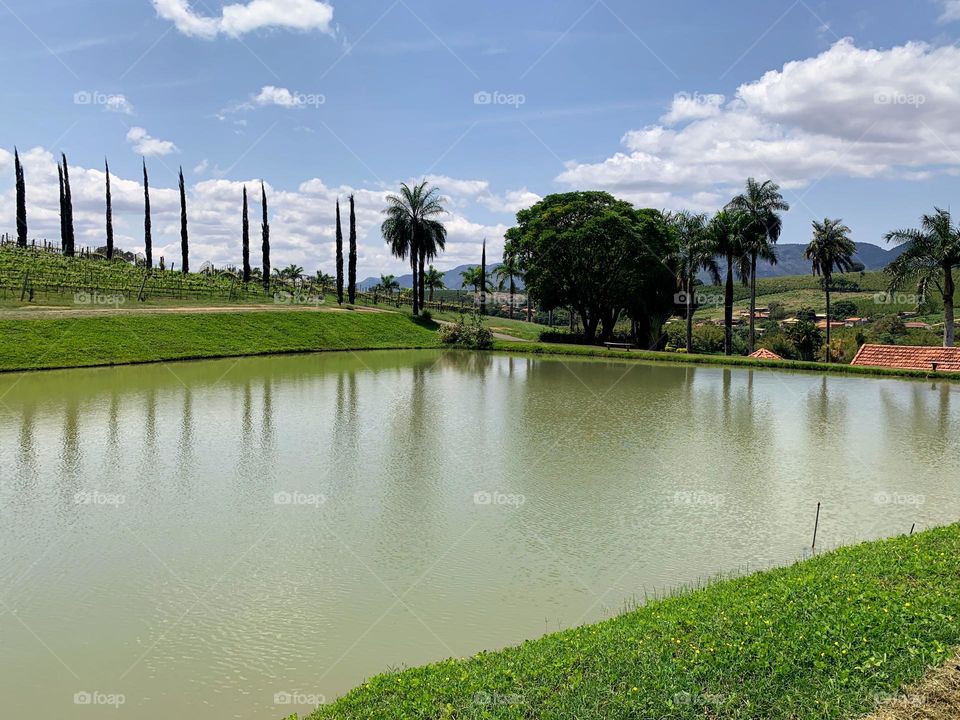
(117, 339)
(819, 639)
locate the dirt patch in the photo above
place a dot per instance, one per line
(935, 697)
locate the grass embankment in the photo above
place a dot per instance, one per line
(820, 639)
(145, 337)
(720, 360)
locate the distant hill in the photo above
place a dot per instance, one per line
(791, 262)
(451, 278)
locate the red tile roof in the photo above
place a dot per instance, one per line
(909, 357)
(764, 354)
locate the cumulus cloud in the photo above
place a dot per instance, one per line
(848, 111)
(951, 11)
(462, 192)
(145, 144)
(241, 18)
(302, 220)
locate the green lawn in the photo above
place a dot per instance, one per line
(819, 639)
(129, 338)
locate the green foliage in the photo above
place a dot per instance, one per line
(778, 310)
(465, 333)
(842, 309)
(818, 640)
(806, 314)
(806, 338)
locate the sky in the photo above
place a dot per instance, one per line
(852, 107)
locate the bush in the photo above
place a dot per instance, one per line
(426, 316)
(842, 309)
(468, 334)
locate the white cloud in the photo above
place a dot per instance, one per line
(687, 106)
(951, 11)
(118, 104)
(201, 167)
(302, 220)
(147, 145)
(242, 18)
(849, 111)
(462, 192)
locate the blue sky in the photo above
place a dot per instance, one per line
(852, 106)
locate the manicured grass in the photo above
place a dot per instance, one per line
(128, 338)
(819, 639)
(733, 361)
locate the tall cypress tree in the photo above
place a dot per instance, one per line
(68, 210)
(246, 239)
(352, 278)
(63, 213)
(339, 257)
(483, 279)
(266, 238)
(106, 167)
(147, 238)
(21, 201)
(184, 244)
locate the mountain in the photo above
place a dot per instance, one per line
(451, 278)
(792, 262)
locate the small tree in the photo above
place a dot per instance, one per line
(806, 338)
(265, 230)
(184, 245)
(21, 201)
(831, 249)
(106, 168)
(352, 287)
(433, 280)
(68, 238)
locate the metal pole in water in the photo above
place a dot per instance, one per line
(912, 528)
(816, 524)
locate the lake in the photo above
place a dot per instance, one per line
(244, 538)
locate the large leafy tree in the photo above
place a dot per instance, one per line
(931, 254)
(412, 229)
(21, 200)
(433, 280)
(599, 256)
(762, 203)
(831, 249)
(696, 251)
(728, 231)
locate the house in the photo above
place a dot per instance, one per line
(764, 354)
(917, 326)
(856, 321)
(833, 325)
(909, 357)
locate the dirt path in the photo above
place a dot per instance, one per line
(935, 697)
(56, 312)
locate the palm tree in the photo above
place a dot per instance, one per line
(508, 271)
(932, 252)
(696, 251)
(831, 249)
(292, 272)
(728, 230)
(324, 281)
(474, 277)
(412, 230)
(433, 280)
(761, 202)
(389, 284)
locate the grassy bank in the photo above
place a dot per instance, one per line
(116, 339)
(820, 639)
(721, 360)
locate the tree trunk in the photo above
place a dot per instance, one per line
(948, 311)
(826, 284)
(728, 310)
(690, 307)
(413, 267)
(753, 302)
(421, 288)
(512, 290)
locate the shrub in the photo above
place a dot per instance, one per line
(468, 334)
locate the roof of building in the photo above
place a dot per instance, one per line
(764, 354)
(909, 357)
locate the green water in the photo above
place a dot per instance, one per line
(208, 539)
